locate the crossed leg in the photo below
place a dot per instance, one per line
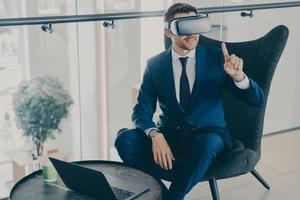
(135, 149)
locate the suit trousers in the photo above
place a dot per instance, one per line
(135, 149)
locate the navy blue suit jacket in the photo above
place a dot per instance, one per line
(206, 106)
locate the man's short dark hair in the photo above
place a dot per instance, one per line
(178, 8)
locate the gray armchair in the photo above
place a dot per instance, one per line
(260, 59)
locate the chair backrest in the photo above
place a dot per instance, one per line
(260, 59)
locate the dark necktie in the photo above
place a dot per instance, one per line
(184, 86)
(185, 95)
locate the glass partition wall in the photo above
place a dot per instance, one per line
(27, 52)
(101, 68)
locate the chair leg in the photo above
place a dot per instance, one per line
(260, 179)
(214, 188)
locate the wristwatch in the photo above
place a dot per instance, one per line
(153, 133)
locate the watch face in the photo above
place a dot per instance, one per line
(152, 133)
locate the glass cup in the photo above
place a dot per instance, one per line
(49, 173)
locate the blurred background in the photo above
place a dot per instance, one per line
(101, 69)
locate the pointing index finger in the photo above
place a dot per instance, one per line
(224, 49)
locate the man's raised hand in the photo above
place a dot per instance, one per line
(233, 65)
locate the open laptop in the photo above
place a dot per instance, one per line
(96, 184)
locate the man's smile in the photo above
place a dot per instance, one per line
(190, 39)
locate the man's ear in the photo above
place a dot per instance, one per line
(168, 33)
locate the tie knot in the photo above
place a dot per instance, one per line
(183, 61)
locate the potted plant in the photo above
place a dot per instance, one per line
(40, 104)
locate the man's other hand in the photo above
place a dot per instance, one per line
(233, 65)
(162, 153)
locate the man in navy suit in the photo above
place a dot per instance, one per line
(188, 81)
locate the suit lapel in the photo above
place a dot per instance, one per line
(169, 76)
(169, 81)
(200, 63)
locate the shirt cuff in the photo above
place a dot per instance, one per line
(148, 130)
(244, 84)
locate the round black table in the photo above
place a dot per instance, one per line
(34, 188)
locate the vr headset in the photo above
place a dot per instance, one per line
(190, 25)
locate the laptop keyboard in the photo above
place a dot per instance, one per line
(121, 194)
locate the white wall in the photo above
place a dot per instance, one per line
(123, 68)
(87, 59)
(152, 31)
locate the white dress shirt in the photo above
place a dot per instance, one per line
(191, 74)
(190, 70)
